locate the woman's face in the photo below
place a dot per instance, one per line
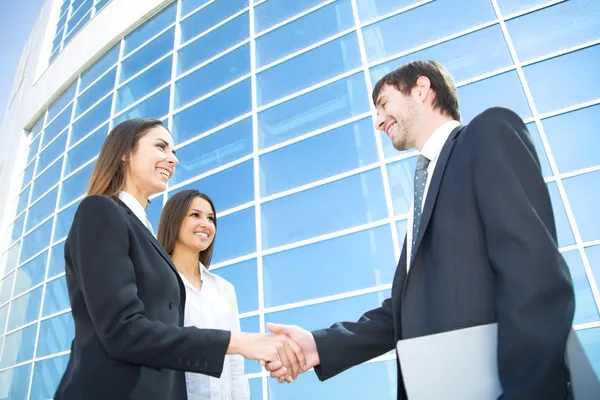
(152, 163)
(197, 230)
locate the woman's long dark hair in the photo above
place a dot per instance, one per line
(171, 217)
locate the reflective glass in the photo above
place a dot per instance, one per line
(30, 274)
(555, 28)
(153, 210)
(190, 5)
(15, 382)
(56, 126)
(340, 56)
(382, 38)
(539, 148)
(57, 260)
(401, 231)
(23, 199)
(42, 209)
(585, 306)
(18, 346)
(96, 92)
(28, 173)
(273, 12)
(35, 144)
(465, 57)
(371, 9)
(17, 228)
(144, 84)
(342, 149)
(333, 103)
(212, 76)
(216, 110)
(24, 309)
(85, 150)
(593, 255)
(508, 7)
(342, 204)
(590, 340)
(562, 93)
(401, 175)
(76, 28)
(229, 188)
(214, 150)
(46, 376)
(147, 55)
(91, 120)
(563, 227)
(574, 133)
(331, 19)
(52, 151)
(150, 28)
(156, 106)
(502, 90)
(57, 296)
(583, 192)
(215, 12)
(244, 278)
(76, 185)
(60, 103)
(256, 391)
(3, 315)
(6, 285)
(64, 220)
(213, 43)
(102, 65)
(251, 324)
(289, 276)
(237, 236)
(36, 240)
(55, 335)
(46, 180)
(8, 262)
(100, 4)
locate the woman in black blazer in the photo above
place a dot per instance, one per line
(127, 298)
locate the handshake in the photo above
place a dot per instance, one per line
(288, 352)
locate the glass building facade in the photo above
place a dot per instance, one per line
(269, 105)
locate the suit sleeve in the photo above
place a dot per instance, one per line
(534, 292)
(346, 344)
(99, 250)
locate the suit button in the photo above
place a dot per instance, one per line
(170, 305)
(180, 309)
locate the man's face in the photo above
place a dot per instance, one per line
(397, 115)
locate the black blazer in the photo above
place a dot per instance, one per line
(127, 301)
(486, 252)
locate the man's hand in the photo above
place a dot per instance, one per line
(302, 342)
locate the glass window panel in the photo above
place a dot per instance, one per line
(30, 274)
(85, 150)
(56, 335)
(273, 12)
(56, 126)
(465, 57)
(100, 4)
(330, 104)
(46, 180)
(217, 73)
(251, 324)
(215, 12)
(17, 228)
(36, 240)
(583, 192)
(64, 220)
(144, 84)
(401, 230)
(217, 149)
(76, 28)
(190, 5)
(213, 43)
(102, 65)
(79, 14)
(156, 106)
(76, 185)
(35, 144)
(502, 90)
(56, 264)
(147, 55)
(381, 39)
(331, 19)
(401, 176)
(237, 236)
(256, 391)
(590, 340)
(23, 199)
(6, 286)
(42, 209)
(65, 7)
(371, 9)
(508, 7)
(229, 188)
(150, 28)
(339, 56)
(539, 147)
(555, 28)
(3, 315)
(96, 92)
(593, 255)
(8, 262)
(53, 56)
(16, 382)
(216, 110)
(289, 275)
(57, 41)
(585, 306)
(153, 210)
(46, 377)
(562, 93)
(342, 149)
(244, 278)
(61, 102)
(18, 346)
(574, 133)
(25, 309)
(329, 204)
(57, 296)
(563, 227)
(52, 152)
(28, 173)
(91, 120)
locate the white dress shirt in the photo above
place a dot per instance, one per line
(431, 150)
(215, 307)
(136, 207)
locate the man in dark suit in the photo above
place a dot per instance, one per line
(480, 248)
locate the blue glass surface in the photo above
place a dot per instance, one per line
(340, 56)
(244, 278)
(75, 185)
(28, 173)
(142, 85)
(215, 12)
(563, 227)
(24, 309)
(46, 180)
(51, 152)
(46, 376)
(36, 241)
(590, 340)
(585, 306)
(95, 92)
(156, 106)
(583, 192)
(153, 210)
(237, 235)
(539, 148)
(382, 38)
(42, 209)
(508, 7)
(100, 4)
(55, 335)
(73, 30)
(256, 389)
(150, 28)
(273, 12)
(593, 255)
(401, 231)
(16, 381)
(345, 203)
(56, 263)
(342, 149)
(91, 120)
(85, 150)
(60, 103)
(333, 103)
(401, 175)
(18, 346)
(190, 5)
(56, 126)
(30, 274)
(64, 220)
(102, 65)
(371, 9)
(214, 150)
(23, 200)
(17, 228)
(251, 324)
(57, 296)
(6, 285)
(147, 55)
(35, 144)
(331, 19)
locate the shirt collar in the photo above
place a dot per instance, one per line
(134, 206)
(433, 145)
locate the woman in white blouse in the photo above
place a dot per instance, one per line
(187, 230)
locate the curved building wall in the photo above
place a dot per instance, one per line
(269, 105)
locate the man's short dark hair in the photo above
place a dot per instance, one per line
(404, 78)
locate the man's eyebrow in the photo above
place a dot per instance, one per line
(379, 100)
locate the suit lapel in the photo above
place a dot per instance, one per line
(434, 187)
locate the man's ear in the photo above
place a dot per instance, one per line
(422, 87)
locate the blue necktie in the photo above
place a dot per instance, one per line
(420, 181)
